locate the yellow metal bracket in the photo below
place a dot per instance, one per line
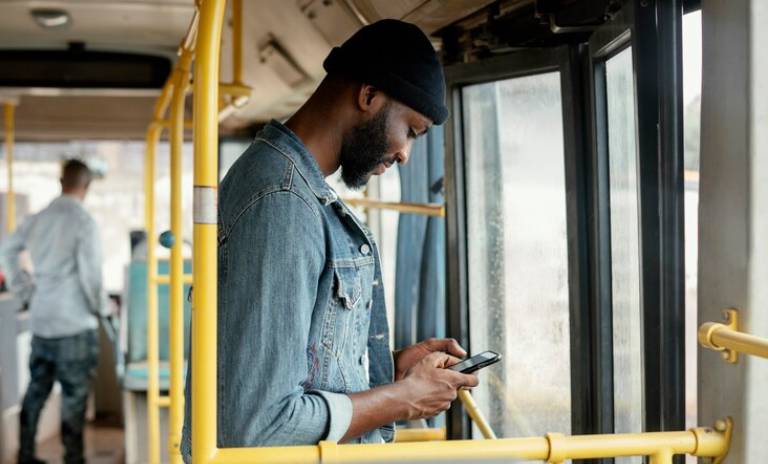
(557, 453)
(708, 329)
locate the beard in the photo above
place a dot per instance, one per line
(363, 149)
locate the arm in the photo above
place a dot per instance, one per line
(10, 249)
(271, 261)
(89, 261)
(425, 390)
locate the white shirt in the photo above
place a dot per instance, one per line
(63, 243)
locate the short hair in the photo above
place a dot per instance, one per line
(75, 174)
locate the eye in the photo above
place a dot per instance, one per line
(412, 133)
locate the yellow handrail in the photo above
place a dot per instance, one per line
(235, 94)
(553, 448)
(10, 198)
(476, 415)
(426, 434)
(153, 417)
(727, 338)
(427, 209)
(166, 279)
(206, 106)
(176, 288)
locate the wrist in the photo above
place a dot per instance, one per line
(399, 394)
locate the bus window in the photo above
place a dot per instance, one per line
(517, 251)
(625, 255)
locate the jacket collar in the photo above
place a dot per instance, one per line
(289, 144)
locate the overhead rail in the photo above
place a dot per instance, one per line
(726, 338)
(426, 209)
(10, 197)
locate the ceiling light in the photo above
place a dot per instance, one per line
(49, 18)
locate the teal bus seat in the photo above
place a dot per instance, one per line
(134, 339)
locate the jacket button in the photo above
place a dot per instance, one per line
(365, 249)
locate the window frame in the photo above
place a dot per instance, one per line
(520, 64)
(654, 31)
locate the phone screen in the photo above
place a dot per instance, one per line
(476, 362)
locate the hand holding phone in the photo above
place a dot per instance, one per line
(477, 362)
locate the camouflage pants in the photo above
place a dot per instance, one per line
(72, 362)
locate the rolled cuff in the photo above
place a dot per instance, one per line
(339, 413)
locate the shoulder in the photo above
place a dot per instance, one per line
(262, 172)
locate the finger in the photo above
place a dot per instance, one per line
(437, 359)
(459, 380)
(470, 380)
(449, 345)
(452, 360)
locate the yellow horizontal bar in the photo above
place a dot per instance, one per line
(727, 338)
(554, 448)
(165, 279)
(428, 209)
(234, 89)
(163, 401)
(166, 123)
(428, 434)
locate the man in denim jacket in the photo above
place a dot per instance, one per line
(303, 351)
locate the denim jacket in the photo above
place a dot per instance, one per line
(301, 316)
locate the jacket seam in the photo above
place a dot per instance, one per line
(264, 194)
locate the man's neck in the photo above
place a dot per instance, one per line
(320, 128)
(73, 195)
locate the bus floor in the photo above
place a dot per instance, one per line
(104, 444)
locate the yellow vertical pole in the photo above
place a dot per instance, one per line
(176, 289)
(10, 198)
(153, 387)
(206, 109)
(237, 42)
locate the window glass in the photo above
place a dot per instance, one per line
(625, 251)
(517, 247)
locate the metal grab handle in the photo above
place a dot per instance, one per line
(726, 338)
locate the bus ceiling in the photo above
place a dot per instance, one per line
(63, 56)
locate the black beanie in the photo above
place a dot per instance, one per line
(398, 58)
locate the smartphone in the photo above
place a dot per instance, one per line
(476, 362)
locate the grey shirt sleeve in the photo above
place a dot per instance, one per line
(89, 262)
(10, 249)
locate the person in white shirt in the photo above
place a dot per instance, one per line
(64, 246)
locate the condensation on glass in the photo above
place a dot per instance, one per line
(518, 257)
(625, 252)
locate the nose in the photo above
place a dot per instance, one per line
(402, 156)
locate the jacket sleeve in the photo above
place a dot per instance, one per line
(270, 264)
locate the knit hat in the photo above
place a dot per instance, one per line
(398, 58)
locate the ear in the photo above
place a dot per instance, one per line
(369, 98)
